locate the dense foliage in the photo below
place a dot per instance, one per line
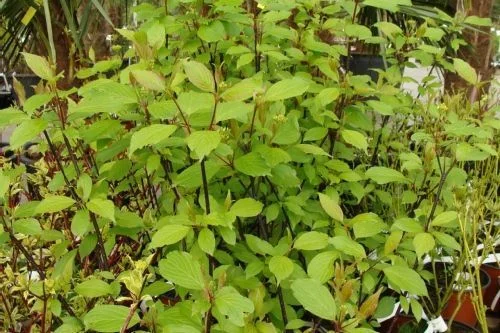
(237, 177)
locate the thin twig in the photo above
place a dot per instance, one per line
(130, 314)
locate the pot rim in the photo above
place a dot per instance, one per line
(473, 329)
(483, 287)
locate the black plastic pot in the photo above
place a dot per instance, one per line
(6, 93)
(6, 100)
(363, 64)
(28, 81)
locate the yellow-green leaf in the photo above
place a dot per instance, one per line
(466, 71)
(199, 75)
(287, 88)
(40, 66)
(149, 80)
(331, 207)
(169, 234)
(53, 204)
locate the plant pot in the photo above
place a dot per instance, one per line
(407, 324)
(28, 81)
(6, 95)
(363, 64)
(492, 292)
(465, 313)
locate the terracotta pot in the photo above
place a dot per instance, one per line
(465, 314)
(400, 321)
(493, 271)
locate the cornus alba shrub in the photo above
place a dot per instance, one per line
(236, 176)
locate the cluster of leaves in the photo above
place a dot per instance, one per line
(236, 177)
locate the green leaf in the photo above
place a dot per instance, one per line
(150, 135)
(36, 101)
(367, 225)
(368, 228)
(191, 177)
(287, 88)
(355, 138)
(383, 175)
(168, 235)
(328, 95)
(149, 80)
(244, 60)
(54, 203)
(247, 207)
(258, 245)
(357, 30)
(312, 149)
(63, 269)
(12, 116)
(445, 219)
(465, 71)
(408, 225)
(390, 29)
(101, 207)
(392, 242)
(39, 66)
(233, 110)
(206, 241)
(70, 325)
(93, 288)
(381, 107)
(288, 133)
(4, 184)
(295, 324)
(29, 227)
(331, 207)
(203, 142)
(80, 223)
(466, 152)
(281, 267)
(480, 21)
(199, 75)
(241, 91)
(156, 35)
(84, 186)
(26, 131)
(434, 34)
(312, 240)
(392, 5)
(254, 268)
(315, 298)
(252, 164)
(423, 243)
(385, 307)
(183, 270)
(321, 266)
(127, 219)
(447, 240)
(214, 32)
(230, 303)
(315, 133)
(108, 318)
(348, 246)
(416, 309)
(406, 279)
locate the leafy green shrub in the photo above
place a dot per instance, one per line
(235, 178)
